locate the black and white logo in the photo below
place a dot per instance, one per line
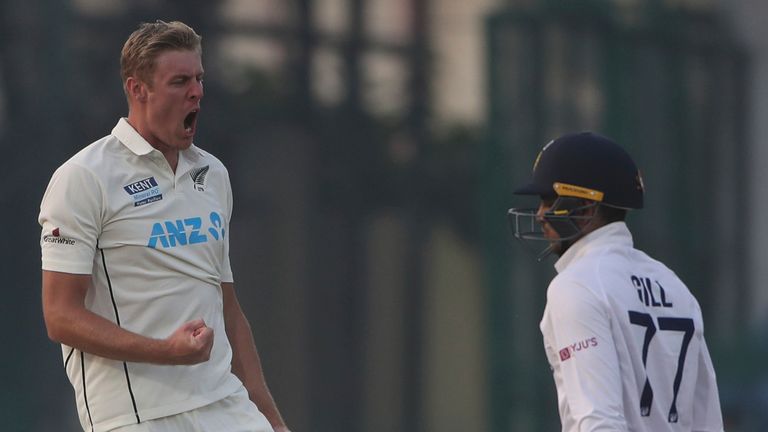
(198, 177)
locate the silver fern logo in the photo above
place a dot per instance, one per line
(198, 177)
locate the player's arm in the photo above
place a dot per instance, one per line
(590, 369)
(69, 322)
(246, 364)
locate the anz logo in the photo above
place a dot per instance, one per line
(189, 231)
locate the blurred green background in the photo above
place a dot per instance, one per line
(372, 146)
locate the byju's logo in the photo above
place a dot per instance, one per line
(571, 350)
(144, 191)
(182, 232)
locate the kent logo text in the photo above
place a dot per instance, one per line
(144, 191)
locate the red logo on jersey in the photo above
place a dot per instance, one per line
(571, 350)
(56, 238)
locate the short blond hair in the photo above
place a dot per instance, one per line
(150, 40)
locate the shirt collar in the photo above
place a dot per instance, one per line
(140, 147)
(615, 233)
(130, 138)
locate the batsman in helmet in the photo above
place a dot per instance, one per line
(623, 334)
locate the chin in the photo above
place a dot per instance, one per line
(185, 143)
(557, 246)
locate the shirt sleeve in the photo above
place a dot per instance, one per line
(589, 365)
(70, 217)
(226, 273)
(707, 415)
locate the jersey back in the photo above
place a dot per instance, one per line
(625, 338)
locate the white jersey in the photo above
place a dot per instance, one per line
(625, 339)
(156, 244)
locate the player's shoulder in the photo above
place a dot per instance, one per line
(570, 294)
(594, 272)
(595, 264)
(639, 271)
(575, 282)
(656, 267)
(208, 158)
(94, 159)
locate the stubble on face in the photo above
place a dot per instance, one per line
(173, 101)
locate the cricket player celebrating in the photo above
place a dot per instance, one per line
(137, 284)
(624, 336)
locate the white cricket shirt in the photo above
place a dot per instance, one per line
(625, 339)
(156, 244)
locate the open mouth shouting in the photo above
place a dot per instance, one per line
(190, 122)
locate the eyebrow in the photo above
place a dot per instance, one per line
(185, 76)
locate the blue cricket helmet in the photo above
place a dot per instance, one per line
(589, 166)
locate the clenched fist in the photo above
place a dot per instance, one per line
(190, 344)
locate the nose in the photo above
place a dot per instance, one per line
(196, 92)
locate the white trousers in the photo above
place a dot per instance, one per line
(235, 413)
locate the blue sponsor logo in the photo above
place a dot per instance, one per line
(144, 191)
(183, 232)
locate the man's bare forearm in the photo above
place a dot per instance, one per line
(68, 321)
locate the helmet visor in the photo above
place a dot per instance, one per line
(563, 217)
